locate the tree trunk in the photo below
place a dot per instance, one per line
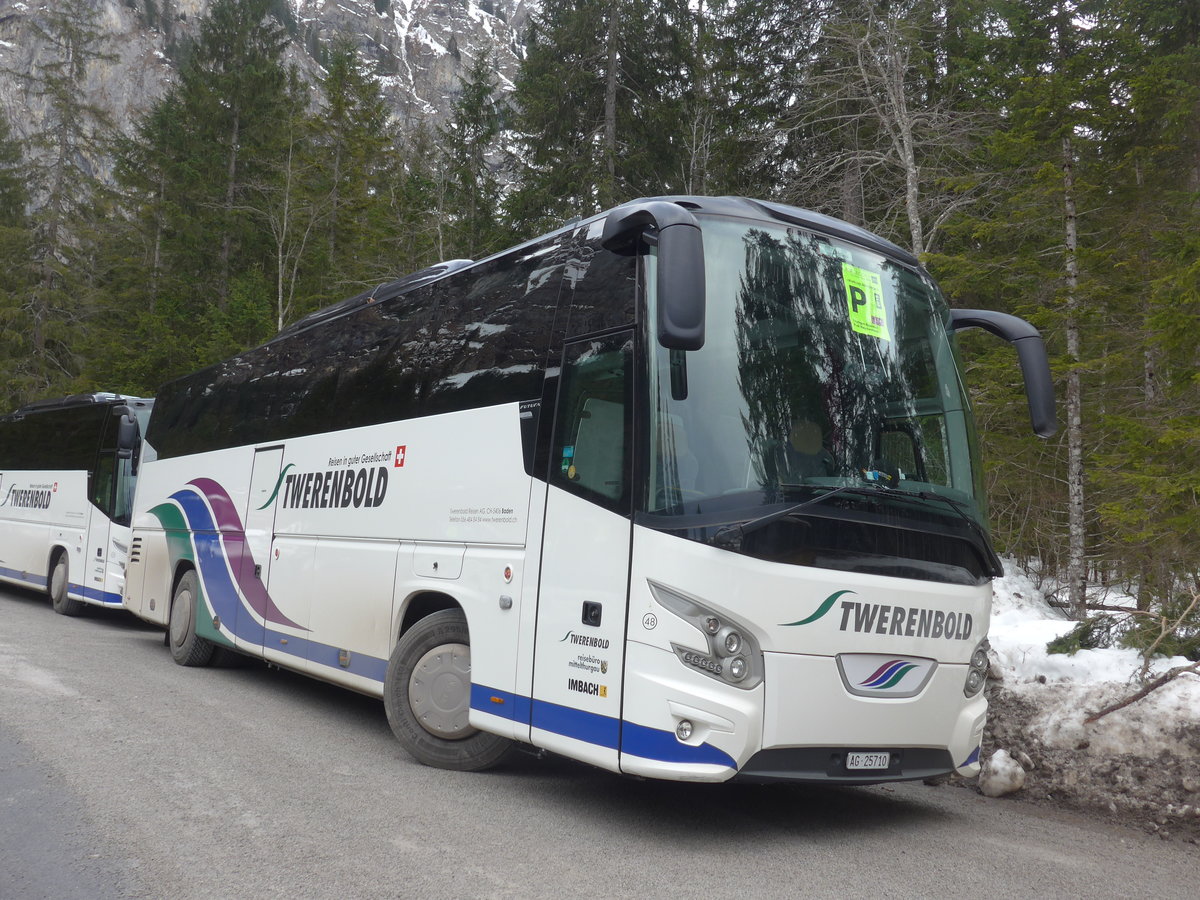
(607, 195)
(230, 194)
(1076, 563)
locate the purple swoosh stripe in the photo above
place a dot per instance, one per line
(241, 560)
(882, 669)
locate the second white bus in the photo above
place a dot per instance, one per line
(67, 475)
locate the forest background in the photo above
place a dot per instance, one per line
(1040, 157)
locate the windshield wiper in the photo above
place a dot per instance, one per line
(957, 505)
(730, 537)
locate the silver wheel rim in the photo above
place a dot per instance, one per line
(58, 587)
(181, 617)
(439, 691)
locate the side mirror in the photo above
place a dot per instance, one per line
(1031, 353)
(680, 283)
(127, 432)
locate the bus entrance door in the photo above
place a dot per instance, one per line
(583, 593)
(93, 580)
(254, 620)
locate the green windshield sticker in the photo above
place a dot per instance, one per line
(864, 296)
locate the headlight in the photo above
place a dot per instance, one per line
(730, 653)
(977, 670)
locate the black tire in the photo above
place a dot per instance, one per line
(187, 647)
(56, 587)
(427, 695)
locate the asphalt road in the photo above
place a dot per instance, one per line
(124, 775)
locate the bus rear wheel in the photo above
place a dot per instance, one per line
(187, 647)
(427, 696)
(57, 588)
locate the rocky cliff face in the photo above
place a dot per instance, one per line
(420, 48)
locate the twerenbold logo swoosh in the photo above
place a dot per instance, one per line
(888, 675)
(275, 492)
(821, 610)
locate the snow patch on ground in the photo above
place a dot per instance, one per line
(1064, 689)
(1142, 761)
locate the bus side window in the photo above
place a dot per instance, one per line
(593, 438)
(102, 483)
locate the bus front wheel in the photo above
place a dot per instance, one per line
(187, 647)
(427, 696)
(57, 585)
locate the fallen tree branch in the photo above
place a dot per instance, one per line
(1104, 607)
(1165, 678)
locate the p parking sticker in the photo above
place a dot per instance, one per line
(864, 298)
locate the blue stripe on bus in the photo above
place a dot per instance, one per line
(650, 743)
(23, 577)
(106, 597)
(510, 706)
(75, 591)
(592, 728)
(361, 664)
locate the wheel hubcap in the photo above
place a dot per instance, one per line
(181, 617)
(439, 691)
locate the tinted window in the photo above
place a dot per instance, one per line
(592, 447)
(494, 334)
(55, 439)
(601, 289)
(478, 337)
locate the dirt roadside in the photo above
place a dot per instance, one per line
(1158, 794)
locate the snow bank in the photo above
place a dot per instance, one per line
(1063, 690)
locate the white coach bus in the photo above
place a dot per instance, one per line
(67, 473)
(687, 490)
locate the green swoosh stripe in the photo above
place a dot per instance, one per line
(275, 492)
(895, 679)
(821, 610)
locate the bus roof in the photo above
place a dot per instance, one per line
(741, 207)
(74, 400)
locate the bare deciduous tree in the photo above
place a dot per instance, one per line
(876, 144)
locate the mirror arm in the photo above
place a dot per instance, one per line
(1031, 353)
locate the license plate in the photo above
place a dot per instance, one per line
(860, 761)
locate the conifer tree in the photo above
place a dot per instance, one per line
(1148, 466)
(233, 89)
(599, 107)
(471, 186)
(66, 152)
(202, 160)
(353, 140)
(15, 277)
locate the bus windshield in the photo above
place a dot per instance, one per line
(827, 384)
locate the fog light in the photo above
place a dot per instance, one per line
(683, 730)
(977, 670)
(737, 669)
(712, 624)
(733, 642)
